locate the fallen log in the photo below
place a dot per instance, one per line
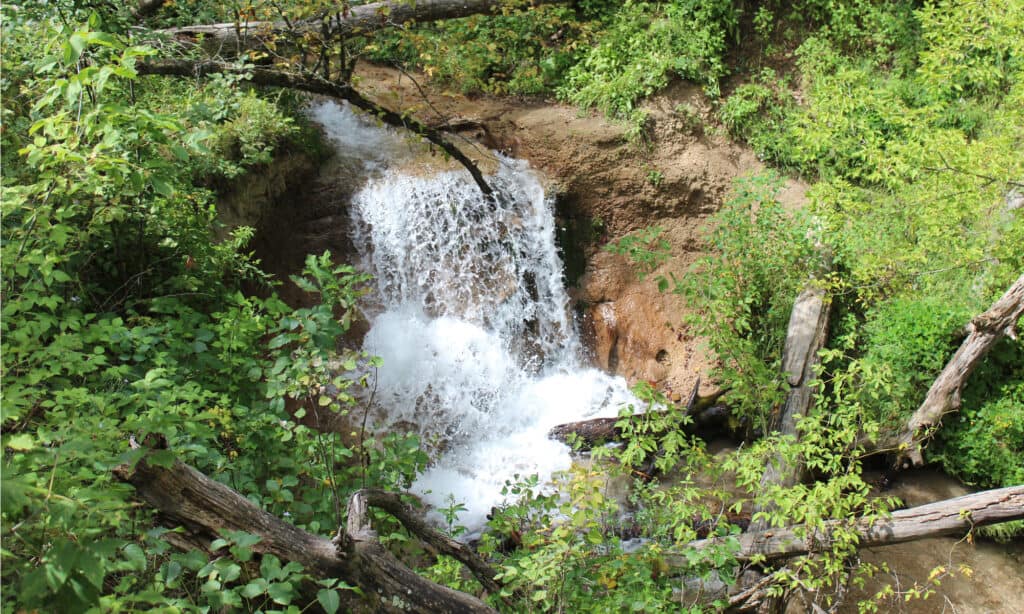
(947, 517)
(205, 507)
(587, 434)
(944, 395)
(342, 21)
(709, 418)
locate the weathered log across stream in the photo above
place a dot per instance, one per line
(708, 419)
(205, 507)
(186, 497)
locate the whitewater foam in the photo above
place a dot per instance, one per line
(471, 321)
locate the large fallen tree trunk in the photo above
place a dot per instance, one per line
(944, 396)
(311, 83)
(185, 497)
(205, 507)
(947, 517)
(343, 21)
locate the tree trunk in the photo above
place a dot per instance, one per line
(232, 38)
(947, 517)
(205, 507)
(944, 396)
(805, 337)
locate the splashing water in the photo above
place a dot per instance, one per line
(479, 349)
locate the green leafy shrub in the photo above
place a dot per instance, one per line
(984, 443)
(123, 316)
(254, 129)
(742, 297)
(910, 339)
(756, 110)
(644, 45)
(516, 52)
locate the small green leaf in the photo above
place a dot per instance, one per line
(161, 187)
(281, 593)
(20, 442)
(329, 600)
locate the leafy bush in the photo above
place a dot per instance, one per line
(644, 45)
(523, 52)
(755, 109)
(984, 443)
(123, 316)
(742, 297)
(910, 340)
(254, 129)
(913, 132)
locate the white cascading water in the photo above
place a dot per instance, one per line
(480, 353)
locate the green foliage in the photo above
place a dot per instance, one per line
(515, 52)
(123, 316)
(742, 297)
(909, 340)
(643, 45)
(984, 443)
(755, 109)
(911, 122)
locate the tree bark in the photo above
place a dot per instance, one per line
(947, 517)
(204, 507)
(944, 395)
(805, 337)
(233, 38)
(597, 431)
(708, 418)
(316, 85)
(186, 497)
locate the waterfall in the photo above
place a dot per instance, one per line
(470, 317)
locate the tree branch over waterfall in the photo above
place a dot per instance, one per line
(316, 85)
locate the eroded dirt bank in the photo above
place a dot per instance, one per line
(606, 188)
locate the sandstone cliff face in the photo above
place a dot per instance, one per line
(253, 198)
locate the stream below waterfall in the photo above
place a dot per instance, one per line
(470, 316)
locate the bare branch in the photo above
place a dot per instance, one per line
(316, 85)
